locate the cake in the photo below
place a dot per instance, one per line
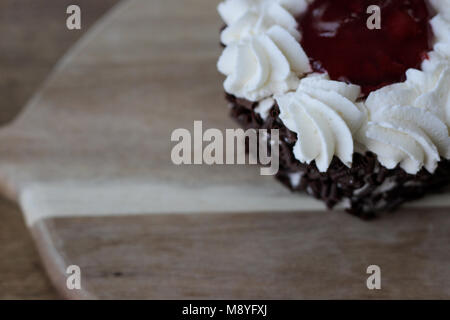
(363, 113)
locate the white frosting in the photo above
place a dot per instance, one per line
(263, 65)
(442, 7)
(257, 20)
(408, 122)
(324, 114)
(263, 56)
(264, 107)
(405, 124)
(441, 29)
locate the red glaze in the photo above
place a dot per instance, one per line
(337, 40)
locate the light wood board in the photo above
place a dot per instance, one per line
(89, 162)
(25, 65)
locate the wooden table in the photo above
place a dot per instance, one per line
(34, 37)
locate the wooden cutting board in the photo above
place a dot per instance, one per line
(89, 163)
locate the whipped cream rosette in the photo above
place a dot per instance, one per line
(263, 65)
(325, 115)
(258, 20)
(263, 56)
(408, 123)
(441, 28)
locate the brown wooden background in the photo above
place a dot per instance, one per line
(33, 37)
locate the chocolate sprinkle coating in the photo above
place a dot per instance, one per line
(361, 185)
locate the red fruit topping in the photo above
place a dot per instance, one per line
(338, 41)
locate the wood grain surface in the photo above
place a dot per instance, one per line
(104, 119)
(21, 273)
(250, 256)
(33, 37)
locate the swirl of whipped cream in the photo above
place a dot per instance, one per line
(441, 29)
(432, 86)
(324, 114)
(409, 122)
(257, 20)
(263, 65)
